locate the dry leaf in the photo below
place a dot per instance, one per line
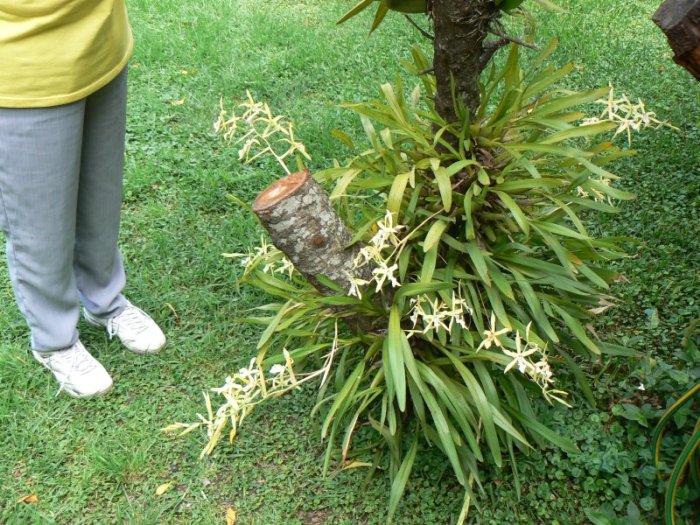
(163, 488)
(603, 306)
(179, 102)
(591, 329)
(230, 516)
(172, 309)
(31, 498)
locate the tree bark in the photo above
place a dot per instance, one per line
(297, 213)
(680, 22)
(460, 30)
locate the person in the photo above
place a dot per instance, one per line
(63, 78)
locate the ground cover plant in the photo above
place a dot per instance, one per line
(102, 461)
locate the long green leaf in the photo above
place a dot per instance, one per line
(482, 405)
(518, 214)
(434, 233)
(566, 102)
(346, 393)
(579, 375)
(382, 10)
(444, 186)
(479, 260)
(577, 330)
(535, 426)
(398, 485)
(535, 306)
(364, 4)
(428, 266)
(443, 431)
(272, 327)
(396, 193)
(499, 279)
(393, 351)
(586, 130)
(411, 289)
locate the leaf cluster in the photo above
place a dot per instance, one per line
(421, 7)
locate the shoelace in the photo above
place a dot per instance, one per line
(79, 362)
(133, 316)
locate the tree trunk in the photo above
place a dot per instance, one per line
(680, 22)
(297, 213)
(460, 29)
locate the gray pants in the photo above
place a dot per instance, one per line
(61, 172)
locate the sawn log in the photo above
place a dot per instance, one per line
(680, 22)
(302, 223)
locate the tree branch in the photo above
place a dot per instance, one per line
(419, 28)
(518, 41)
(494, 45)
(489, 49)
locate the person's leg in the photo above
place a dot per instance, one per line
(97, 263)
(98, 266)
(40, 152)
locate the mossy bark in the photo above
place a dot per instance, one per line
(460, 30)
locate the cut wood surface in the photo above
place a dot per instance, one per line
(680, 22)
(302, 223)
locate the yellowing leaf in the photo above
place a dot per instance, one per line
(163, 488)
(230, 516)
(178, 102)
(574, 259)
(31, 498)
(356, 464)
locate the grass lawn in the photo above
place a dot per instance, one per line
(100, 461)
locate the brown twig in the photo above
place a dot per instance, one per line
(419, 28)
(515, 40)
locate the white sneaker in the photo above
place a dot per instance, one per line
(78, 373)
(136, 330)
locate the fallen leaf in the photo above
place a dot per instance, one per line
(591, 329)
(603, 306)
(31, 498)
(172, 309)
(230, 516)
(356, 464)
(164, 487)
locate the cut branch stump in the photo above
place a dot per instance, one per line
(680, 22)
(302, 223)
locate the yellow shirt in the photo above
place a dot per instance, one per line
(55, 52)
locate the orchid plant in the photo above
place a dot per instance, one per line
(484, 284)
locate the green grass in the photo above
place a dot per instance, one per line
(100, 461)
